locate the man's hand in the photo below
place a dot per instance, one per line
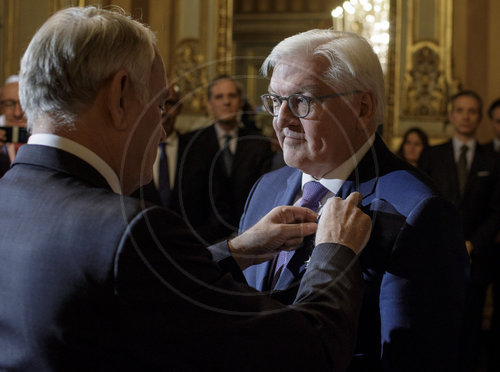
(343, 222)
(283, 228)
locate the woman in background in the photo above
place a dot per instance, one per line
(414, 142)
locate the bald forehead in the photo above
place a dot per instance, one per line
(10, 91)
(219, 84)
(469, 100)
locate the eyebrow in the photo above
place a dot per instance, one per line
(312, 89)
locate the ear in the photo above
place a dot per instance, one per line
(366, 110)
(208, 106)
(117, 99)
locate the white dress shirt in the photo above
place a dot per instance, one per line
(496, 144)
(81, 152)
(334, 179)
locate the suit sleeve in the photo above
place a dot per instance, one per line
(182, 312)
(422, 291)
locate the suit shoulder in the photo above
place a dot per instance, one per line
(405, 189)
(437, 149)
(201, 133)
(487, 153)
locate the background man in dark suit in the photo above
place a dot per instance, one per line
(164, 190)
(494, 116)
(494, 145)
(220, 165)
(326, 94)
(94, 280)
(468, 174)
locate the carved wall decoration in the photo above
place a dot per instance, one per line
(427, 92)
(424, 71)
(191, 74)
(224, 37)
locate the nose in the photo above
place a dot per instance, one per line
(284, 112)
(285, 116)
(18, 111)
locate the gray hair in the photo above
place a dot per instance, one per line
(73, 53)
(353, 63)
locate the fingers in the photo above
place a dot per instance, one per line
(299, 230)
(355, 198)
(343, 222)
(291, 215)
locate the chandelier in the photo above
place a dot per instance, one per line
(370, 19)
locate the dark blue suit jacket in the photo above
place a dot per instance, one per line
(95, 281)
(415, 265)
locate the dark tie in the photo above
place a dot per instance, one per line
(462, 169)
(311, 196)
(228, 155)
(164, 177)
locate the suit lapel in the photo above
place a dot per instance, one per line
(364, 177)
(476, 166)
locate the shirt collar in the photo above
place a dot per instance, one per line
(471, 144)
(172, 138)
(334, 179)
(222, 133)
(496, 144)
(81, 152)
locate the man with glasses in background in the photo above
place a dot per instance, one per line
(12, 117)
(164, 189)
(326, 95)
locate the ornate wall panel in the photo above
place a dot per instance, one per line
(224, 36)
(190, 74)
(425, 66)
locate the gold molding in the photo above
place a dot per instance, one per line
(423, 68)
(224, 37)
(190, 74)
(11, 36)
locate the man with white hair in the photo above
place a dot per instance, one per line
(93, 280)
(326, 95)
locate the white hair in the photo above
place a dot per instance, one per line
(353, 63)
(73, 53)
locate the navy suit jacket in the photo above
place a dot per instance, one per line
(95, 281)
(210, 201)
(415, 264)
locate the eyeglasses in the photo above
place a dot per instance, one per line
(167, 106)
(9, 103)
(299, 104)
